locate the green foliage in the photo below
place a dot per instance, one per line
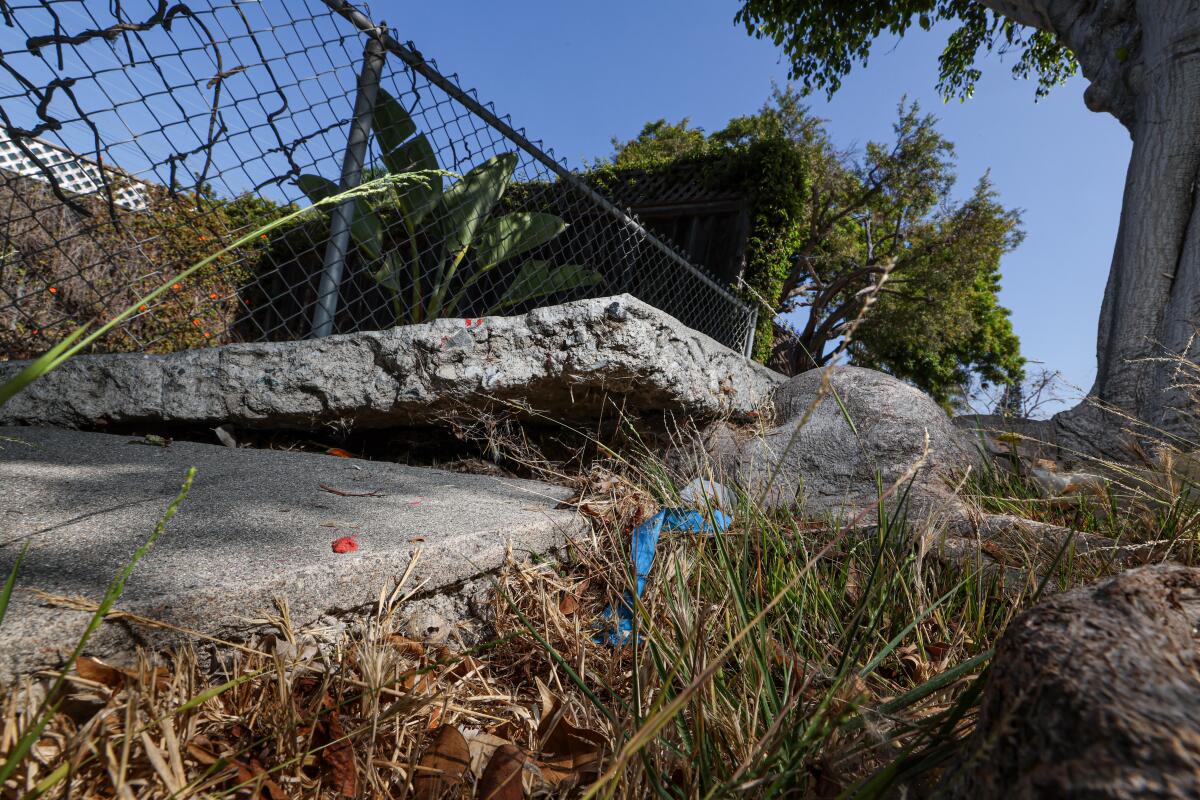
(660, 143)
(457, 221)
(829, 232)
(947, 305)
(824, 40)
(752, 155)
(84, 336)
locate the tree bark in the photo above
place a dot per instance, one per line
(1142, 58)
(1092, 694)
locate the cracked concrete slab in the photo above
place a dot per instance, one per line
(577, 361)
(257, 525)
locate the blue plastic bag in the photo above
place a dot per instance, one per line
(618, 619)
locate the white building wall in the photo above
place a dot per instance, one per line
(72, 172)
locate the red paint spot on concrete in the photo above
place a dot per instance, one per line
(346, 544)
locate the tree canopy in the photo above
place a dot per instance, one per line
(880, 226)
(824, 40)
(1139, 60)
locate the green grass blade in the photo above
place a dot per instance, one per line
(894, 643)
(11, 582)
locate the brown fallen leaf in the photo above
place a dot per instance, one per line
(253, 774)
(912, 664)
(442, 766)
(337, 758)
(97, 671)
(564, 747)
(410, 647)
(482, 746)
(417, 682)
(91, 669)
(937, 650)
(337, 753)
(502, 778)
(568, 605)
(198, 748)
(557, 774)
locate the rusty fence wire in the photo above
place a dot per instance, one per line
(137, 137)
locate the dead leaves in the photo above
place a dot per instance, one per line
(337, 754)
(569, 754)
(503, 778)
(604, 495)
(96, 671)
(254, 776)
(249, 773)
(318, 741)
(565, 756)
(569, 603)
(443, 765)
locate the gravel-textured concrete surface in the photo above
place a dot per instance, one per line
(257, 524)
(576, 361)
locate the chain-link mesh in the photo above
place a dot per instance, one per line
(137, 138)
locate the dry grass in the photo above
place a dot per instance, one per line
(786, 656)
(782, 657)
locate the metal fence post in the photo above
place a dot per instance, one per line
(352, 167)
(748, 347)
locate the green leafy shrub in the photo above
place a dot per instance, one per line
(834, 234)
(449, 238)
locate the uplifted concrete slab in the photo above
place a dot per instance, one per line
(257, 524)
(576, 361)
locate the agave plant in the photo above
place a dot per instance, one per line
(468, 239)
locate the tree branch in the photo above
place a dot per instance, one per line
(1034, 13)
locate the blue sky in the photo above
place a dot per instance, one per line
(577, 74)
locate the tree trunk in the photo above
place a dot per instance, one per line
(1092, 694)
(1142, 58)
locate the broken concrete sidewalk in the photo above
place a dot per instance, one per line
(578, 361)
(257, 525)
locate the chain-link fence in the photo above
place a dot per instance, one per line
(137, 138)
